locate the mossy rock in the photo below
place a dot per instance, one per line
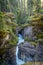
(27, 39)
(40, 41)
(33, 43)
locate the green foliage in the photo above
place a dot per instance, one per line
(33, 43)
(40, 35)
(21, 17)
(7, 27)
(38, 21)
(27, 39)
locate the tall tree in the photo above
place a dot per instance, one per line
(30, 6)
(3, 5)
(38, 5)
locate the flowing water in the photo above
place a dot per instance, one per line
(19, 61)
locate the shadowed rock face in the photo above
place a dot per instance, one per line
(27, 32)
(10, 57)
(39, 55)
(12, 53)
(7, 55)
(26, 50)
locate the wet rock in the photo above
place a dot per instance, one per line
(26, 51)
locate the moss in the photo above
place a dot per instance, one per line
(33, 63)
(33, 43)
(13, 40)
(39, 35)
(3, 34)
(27, 39)
(40, 41)
(35, 17)
(22, 26)
(29, 63)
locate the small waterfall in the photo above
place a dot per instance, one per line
(28, 31)
(18, 61)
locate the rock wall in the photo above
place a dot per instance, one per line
(27, 32)
(39, 55)
(26, 52)
(10, 57)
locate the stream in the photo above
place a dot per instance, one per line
(19, 61)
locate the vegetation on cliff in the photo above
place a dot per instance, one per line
(8, 37)
(15, 15)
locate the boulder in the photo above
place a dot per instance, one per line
(26, 51)
(27, 32)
